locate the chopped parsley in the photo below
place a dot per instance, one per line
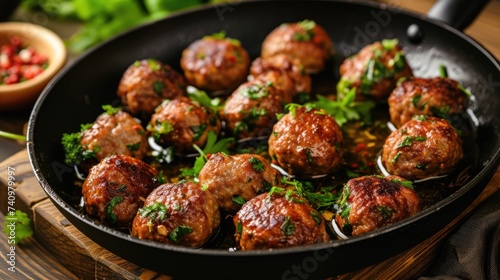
(134, 147)
(179, 232)
(198, 131)
(238, 200)
(110, 214)
(74, 152)
(408, 141)
(160, 128)
(155, 211)
(256, 164)
(157, 87)
(255, 91)
(288, 228)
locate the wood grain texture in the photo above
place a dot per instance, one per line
(32, 261)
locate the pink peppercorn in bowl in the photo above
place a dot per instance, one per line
(30, 56)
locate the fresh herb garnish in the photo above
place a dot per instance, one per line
(155, 211)
(346, 109)
(179, 232)
(288, 228)
(211, 147)
(110, 214)
(256, 164)
(408, 141)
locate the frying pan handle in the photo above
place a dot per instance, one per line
(457, 13)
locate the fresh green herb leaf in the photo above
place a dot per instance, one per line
(256, 164)
(389, 44)
(211, 147)
(155, 211)
(238, 200)
(179, 232)
(288, 228)
(17, 226)
(202, 98)
(346, 109)
(443, 72)
(408, 141)
(110, 214)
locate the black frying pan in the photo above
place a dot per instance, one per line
(75, 96)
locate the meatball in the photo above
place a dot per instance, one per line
(215, 63)
(371, 202)
(374, 71)
(423, 147)
(115, 188)
(306, 41)
(440, 97)
(306, 142)
(235, 179)
(182, 122)
(285, 72)
(181, 214)
(250, 111)
(277, 221)
(146, 83)
(115, 133)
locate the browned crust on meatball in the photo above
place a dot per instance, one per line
(191, 215)
(306, 41)
(183, 122)
(115, 134)
(115, 188)
(275, 221)
(355, 68)
(373, 202)
(215, 64)
(240, 176)
(251, 109)
(146, 83)
(440, 97)
(422, 147)
(286, 73)
(306, 142)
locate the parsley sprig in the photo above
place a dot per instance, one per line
(212, 146)
(346, 109)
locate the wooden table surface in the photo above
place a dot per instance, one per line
(39, 257)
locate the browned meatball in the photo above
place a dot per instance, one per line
(424, 146)
(115, 133)
(306, 41)
(440, 97)
(183, 122)
(250, 111)
(371, 202)
(181, 214)
(146, 83)
(277, 221)
(306, 142)
(374, 71)
(285, 72)
(115, 188)
(235, 179)
(215, 63)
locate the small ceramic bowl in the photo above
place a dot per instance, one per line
(44, 41)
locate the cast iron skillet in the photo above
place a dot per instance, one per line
(75, 96)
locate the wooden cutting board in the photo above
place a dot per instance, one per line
(72, 251)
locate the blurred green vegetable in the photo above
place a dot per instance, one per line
(104, 19)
